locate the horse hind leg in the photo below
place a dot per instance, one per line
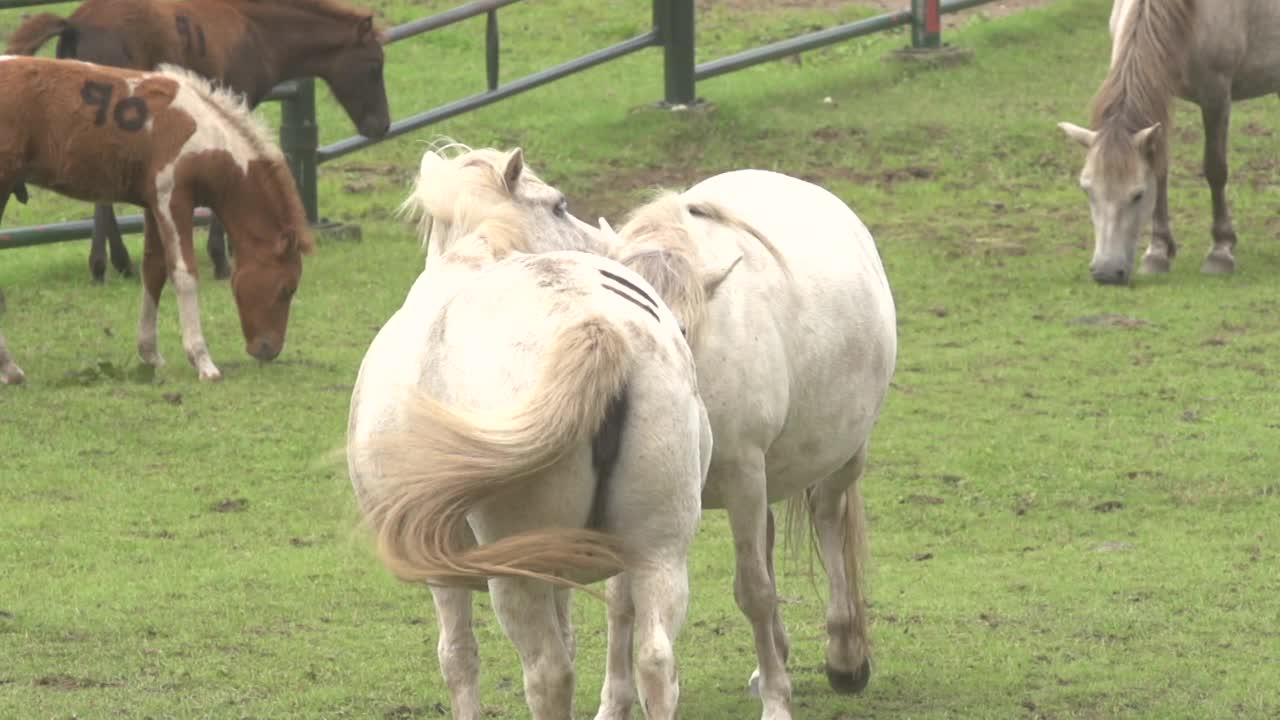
(10, 373)
(836, 510)
(457, 650)
(618, 694)
(526, 609)
(106, 232)
(217, 249)
(780, 638)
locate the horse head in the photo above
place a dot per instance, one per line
(266, 276)
(354, 74)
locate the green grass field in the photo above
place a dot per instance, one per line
(1073, 489)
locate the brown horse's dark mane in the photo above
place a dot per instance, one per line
(1139, 87)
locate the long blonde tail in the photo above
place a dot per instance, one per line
(448, 461)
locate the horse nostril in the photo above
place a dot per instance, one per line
(265, 351)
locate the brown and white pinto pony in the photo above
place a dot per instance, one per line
(246, 45)
(167, 141)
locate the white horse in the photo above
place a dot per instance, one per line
(792, 325)
(1211, 53)
(546, 403)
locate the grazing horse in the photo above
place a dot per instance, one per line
(1211, 53)
(246, 45)
(546, 403)
(792, 326)
(165, 140)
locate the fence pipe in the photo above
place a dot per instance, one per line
(448, 17)
(299, 138)
(75, 230)
(400, 127)
(926, 24)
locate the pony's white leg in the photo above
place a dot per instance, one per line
(748, 510)
(175, 229)
(155, 271)
(10, 373)
(618, 694)
(457, 650)
(1215, 109)
(835, 505)
(527, 611)
(661, 596)
(1160, 253)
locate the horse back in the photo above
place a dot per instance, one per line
(89, 132)
(142, 34)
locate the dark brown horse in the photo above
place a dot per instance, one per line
(168, 141)
(246, 45)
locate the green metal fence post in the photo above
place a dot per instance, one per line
(926, 24)
(673, 20)
(299, 138)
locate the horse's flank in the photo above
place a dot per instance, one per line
(1152, 43)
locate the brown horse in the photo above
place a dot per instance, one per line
(246, 45)
(167, 141)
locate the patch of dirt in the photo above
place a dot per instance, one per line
(230, 505)
(67, 682)
(1110, 320)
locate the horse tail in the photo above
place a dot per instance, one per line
(448, 461)
(35, 32)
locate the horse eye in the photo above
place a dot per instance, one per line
(286, 293)
(1137, 198)
(562, 208)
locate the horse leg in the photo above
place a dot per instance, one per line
(527, 612)
(217, 248)
(1162, 250)
(154, 273)
(779, 630)
(753, 589)
(1215, 108)
(98, 245)
(835, 506)
(457, 650)
(120, 259)
(180, 254)
(618, 694)
(10, 373)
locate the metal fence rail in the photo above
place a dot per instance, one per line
(673, 31)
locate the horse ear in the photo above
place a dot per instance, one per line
(1081, 135)
(515, 167)
(1147, 139)
(715, 272)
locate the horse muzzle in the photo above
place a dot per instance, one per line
(264, 350)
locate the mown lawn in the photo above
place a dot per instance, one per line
(1073, 490)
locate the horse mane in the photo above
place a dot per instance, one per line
(331, 8)
(1154, 40)
(233, 110)
(657, 243)
(468, 193)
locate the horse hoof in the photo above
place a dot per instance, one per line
(753, 685)
(221, 272)
(126, 271)
(850, 683)
(12, 376)
(211, 375)
(1155, 264)
(1216, 264)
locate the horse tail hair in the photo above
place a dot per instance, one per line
(36, 31)
(448, 461)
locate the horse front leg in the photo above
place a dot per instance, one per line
(1216, 111)
(217, 249)
(1162, 250)
(10, 373)
(120, 259)
(176, 224)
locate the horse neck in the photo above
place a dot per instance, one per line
(251, 205)
(292, 41)
(1149, 56)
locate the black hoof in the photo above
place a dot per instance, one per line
(850, 683)
(221, 273)
(126, 271)
(99, 274)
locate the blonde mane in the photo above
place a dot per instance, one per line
(232, 109)
(657, 243)
(464, 190)
(1154, 40)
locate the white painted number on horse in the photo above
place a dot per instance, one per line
(130, 114)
